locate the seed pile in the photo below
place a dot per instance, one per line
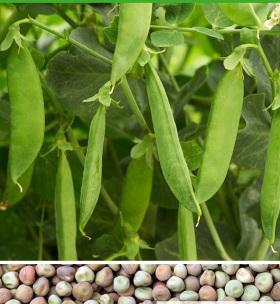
(137, 283)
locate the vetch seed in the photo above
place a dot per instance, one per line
(194, 269)
(41, 287)
(10, 279)
(104, 277)
(220, 294)
(84, 274)
(121, 284)
(161, 293)
(45, 270)
(258, 267)
(126, 300)
(180, 271)
(142, 278)
(251, 293)
(221, 278)
(275, 274)
(5, 295)
(63, 288)
(143, 293)
(66, 273)
(275, 292)
(27, 275)
(24, 293)
(192, 283)
(230, 268)
(264, 281)
(207, 293)
(207, 278)
(105, 299)
(234, 288)
(245, 275)
(188, 295)
(150, 268)
(163, 272)
(175, 284)
(54, 299)
(82, 291)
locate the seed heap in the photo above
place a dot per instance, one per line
(137, 283)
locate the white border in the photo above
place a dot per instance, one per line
(137, 262)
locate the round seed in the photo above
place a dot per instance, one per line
(115, 267)
(175, 284)
(180, 271)
(121, 284)
(84, 274)
(41, 287)
(104, 277)
(163, 272)
(54, 299)
(234, 288)
(5, 295)
(258, 267)
(192, 283)
(130, 268)
(10, 279)
(251, 293)
(221, 278)
(24, 293)
(207, 293)
(126, 300)
(207, 278)
(188, 295)
(210, 266)
(220, 294)
(275, 292)
(150, 268)
(142, 278)
(245, 275)
(82, 291)
(143, 293)
(27, 275)
(161, 293)
(230, 269)
(45, 270)
(13, 301)
(63, 289)
(38, 300)
(194, 269)
(66, 273)
(105, 299)
(275, 274)
(91, 302)
(266, 298)
(264, 282)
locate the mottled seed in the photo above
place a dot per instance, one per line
(104, 277)
(207, 278)
(188, 295)
(5, 295)
(63, 288)
(10, 279)
(24, 293)
(66, 273)
(121, 284)
(220, 294)
(84, 274)
(130, 268)
(245, 275)
(230, 269)
(264, 281)
(82, 291)
(192, 283)
(45, 270)
(180, 271)
(41, 287)
(161, 293)
(106, 299)
(126, 300)
(234, 288)
(221, 278)
(54, 299)
(143, 293)
(207, 293)
(27, 275)
(142, 278)
(258, 267)
(115, 267)
(275, 274)
(163, 272)
(38, 300)
(150, 268)
(194, 269)
(251, 293)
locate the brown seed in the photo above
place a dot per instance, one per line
(192, 283)
(45, 270)
(68, 301)
(95, 267)
(55, 280)
(5, 295)
(66, 273)
(24, 293)
(275, 292)
(104, 277)
(41, 287)
(39, 300)
(161, 293)
(207, 293)
(163, 272)
(194, 269)
(130, 268)
(14, 267)
(82, 291)
(114, 296)
(207, 278)
(27, 275)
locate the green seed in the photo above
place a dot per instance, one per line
(234, 288)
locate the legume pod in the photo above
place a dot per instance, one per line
(27, 111)
(133, 29)
(221, 134)
(91, 183)
(171, 157)
(136, 192)
(65, 211)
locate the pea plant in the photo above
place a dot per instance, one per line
(140, 131)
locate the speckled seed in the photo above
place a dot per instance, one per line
(188, 295)
(41, 286)
(192, 283)
(258, 267)
(105, 299)
(27, 275)
(275, 292)
(266, 298)
(150, 268)
(104, 277)
(207, 278)
(82, 291)
(143, 293)
(128, 292)
(194, 269)
(175, 284)
(38, 300)
(230, 268)
(245, 275)
(275, 274)
(207, 293)
(130, 268)
(84, 274)
(5, 295)
(234, 288)
(45, 270)
(13, 301)
(63, 289)
(10, 279)
(210, 266)
(126, 300)
(115, 267)
(251, 293)
(161, 293)
(220, 294)
(66, 273)
(121, 284)
(221, 278)
(180, 271)
(163, 272)
(54, 299)
(264, 281)
(142, 278)
(91, 302)
(24, 293)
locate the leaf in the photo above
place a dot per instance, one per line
(276, 102)
(177, 13)
(252, 141)
(111, 31)
(215, 16)
(167, 38)
(167, 250)
(208, 32)
(234, 58)
(144, 57)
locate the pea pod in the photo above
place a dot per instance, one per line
(171, 157)
(26, 112)
(92, 175)
(270, 193)
(65, 211)
(136, 192)
(221, 134)
(133, 29)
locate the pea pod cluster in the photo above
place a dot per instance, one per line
(92, 175)
(65, 211)
(26, 112)
(133, 29)
(221, 134)
(171, 157)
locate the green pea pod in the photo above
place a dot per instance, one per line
(91, 183)
(136, 192)
(221, 134)
(12, 195)
(171, 157)
(186, 235)
(65, 211)
(26, 112)
(133, 29)
(245, 14)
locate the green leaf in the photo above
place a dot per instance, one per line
(215, 16)
(167, 38)
(177, 13)
(168, 249)
(276, 102)
(234, 58)
(144, 57)
(252, 141)
(111, 31)
(208, 32)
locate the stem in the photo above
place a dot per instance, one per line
(265, 60)
(186, 234)
(64, 16)
(110, 203)
(214, 232)
(41, 234)
(262, 249)
(171, 77)
(133, 104)
(256, 17)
